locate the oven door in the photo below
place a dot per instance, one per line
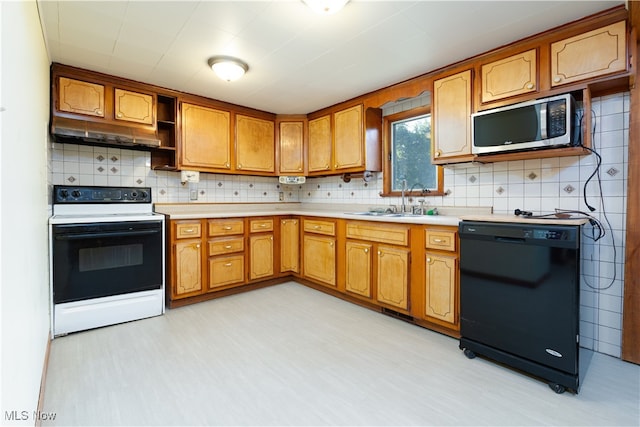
(103, 259)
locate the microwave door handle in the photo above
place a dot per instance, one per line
(543, 121)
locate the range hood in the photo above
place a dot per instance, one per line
(92, 133)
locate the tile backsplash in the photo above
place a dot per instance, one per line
(539, 185)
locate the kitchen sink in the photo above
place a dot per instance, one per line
(384, 214)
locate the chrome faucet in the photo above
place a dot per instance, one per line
(404, 188)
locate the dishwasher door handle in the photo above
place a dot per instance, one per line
(510, 239)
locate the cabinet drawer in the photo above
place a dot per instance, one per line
(441, 239)
(226, 246)
(259, 225)
(226, 271)
(319, 226)
(387, 233)
(188, 230)
(224, 227)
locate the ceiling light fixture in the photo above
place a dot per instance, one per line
(325, 7)
(227, 67)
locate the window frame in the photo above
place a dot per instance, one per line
(386, 153)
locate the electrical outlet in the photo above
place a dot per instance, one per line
(193, 194)
(281, 196)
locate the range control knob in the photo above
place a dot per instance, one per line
(144, 194)
(76, 193)
(64, 194)
(134, 194)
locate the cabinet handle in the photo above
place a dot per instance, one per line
(366, 250)
(263, 225)
(239, 166)
(119, 115)
(197, 245)
(271, 238)
(227, 165)
(190, 230)
(556, 79)
(336, 166)
(317, 227)
(299, 169)
(530, 86)
(428, 259)
(331, 244)
(228, 264)
(227, 227)
(438, 153)
(326, 167)
(99, 112)
(437, 240)
(228, 247)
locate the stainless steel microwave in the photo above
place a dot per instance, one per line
(541, 123)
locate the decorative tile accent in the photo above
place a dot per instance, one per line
(250, 185)
(139, 181)
(163, 192)
(114, 159)
(100, 169)
(202, 192)
(219, 184)
(318, 186)
(472, 179)
(613, 172)
(499, 190)
(235, 193)
(114, 169)
(264, 194)
(328, 194)
(532, 176)
(569, 189)
(366, 184)
(71, 179)
(100, 158)
(339, 185)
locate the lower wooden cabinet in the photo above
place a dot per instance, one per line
(440, 290)
(393, 276)
(290, 245)
(226, 270)
(359, 262)
(320, 259)
(187, 256)
(261, 256)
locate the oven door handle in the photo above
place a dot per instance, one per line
(106, 234)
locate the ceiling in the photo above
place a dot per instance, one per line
(299, 61)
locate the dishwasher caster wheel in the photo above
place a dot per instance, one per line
(559, 389)
(469, 353)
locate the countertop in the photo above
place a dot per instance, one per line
(450, 216)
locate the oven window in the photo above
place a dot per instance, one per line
(104, 258)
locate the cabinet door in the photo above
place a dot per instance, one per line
(358, 266)
(440, 292)
(133, 106)
(319, 156)
(588, 55)
(289, 245)
(261, 256)
(255, 144)
(188, 268)
(348, 138)
(226, 270)
(205, 138)
(393, 276)
(510, 76)
(452, 116)
(76, 96)
(320, 259)
(291, 148)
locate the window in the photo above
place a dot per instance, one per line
(408, 153)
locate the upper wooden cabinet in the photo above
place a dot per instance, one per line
(291, 147)
(255, 145)
(205, 143)
(319, 152)
(133, 107)
(510, 76)
(451, 118)
(77, 96)
(347, 140)
(592, 54)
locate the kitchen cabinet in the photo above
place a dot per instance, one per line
(261, 248)
(451, 118)
(319, 251)
(514, 75)
(345, 141)
(186, 260)
(164, 156)
(441, 299)
(133, 106)
(320, 144)
(290, 245)
(255, 145)
(226, 258)
(80, 97)
(291, 147)
(591, 54)
(205, 143)
(372, 263)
